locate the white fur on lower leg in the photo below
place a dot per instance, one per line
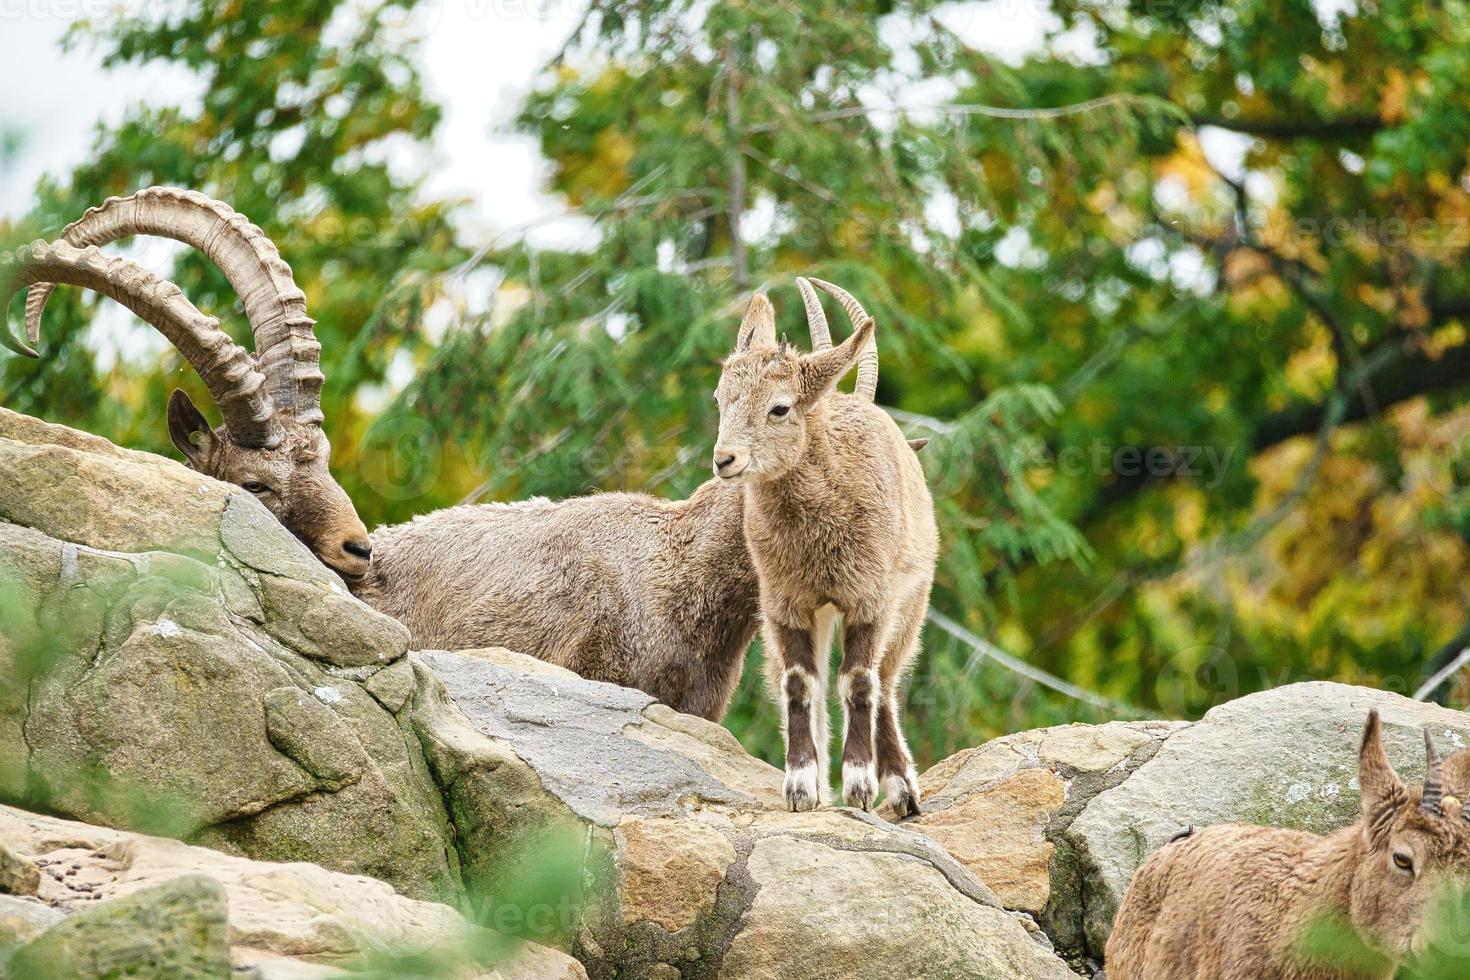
(801, 789)
(902, 792)
(859, 784)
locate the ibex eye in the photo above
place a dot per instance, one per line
(254, 487)
(1403, 862)
(780, 410)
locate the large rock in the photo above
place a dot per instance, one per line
(172, 660)
(284, 920)
(1282, 758)
(1003, 809)
(23, 918)
(688, 863)
(18, 875)
(176, 929)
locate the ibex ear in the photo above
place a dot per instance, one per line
(758, 328)
(189, 430)
(1381, 786)
(821, 370)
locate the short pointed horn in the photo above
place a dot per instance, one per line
(227, 368)
(816, 317)
(1433, 796)
(286, 348)
(867, 372)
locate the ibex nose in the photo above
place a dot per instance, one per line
(729, 463)
(349, 555)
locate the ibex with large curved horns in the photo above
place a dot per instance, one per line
(626, 588)
(271, 442)
(1237, 902)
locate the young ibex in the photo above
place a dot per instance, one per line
(271, 442)
(840, 522)
(626, 588)
(1240, 903)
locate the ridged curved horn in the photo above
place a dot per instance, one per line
(1433, 796)
(867, 372)
(816, 317)
(286, 349)
(226, 368)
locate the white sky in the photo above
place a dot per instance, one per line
(480, 57)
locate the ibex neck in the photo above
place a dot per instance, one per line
(808, 484)
(1319, 899)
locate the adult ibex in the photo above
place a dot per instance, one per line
(271, 442)
(1238, 902)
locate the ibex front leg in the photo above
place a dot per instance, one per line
(858, 683)
(801, 699)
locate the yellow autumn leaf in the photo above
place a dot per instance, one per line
(1393, 101)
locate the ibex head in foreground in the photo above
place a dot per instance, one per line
(1237, 902)
(271, 442)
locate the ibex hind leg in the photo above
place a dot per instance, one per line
(895, 763)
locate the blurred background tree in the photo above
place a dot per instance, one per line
(1180, 299)
(305, 107)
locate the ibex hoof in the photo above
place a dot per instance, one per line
(859, 786)
(903, 795)
(801, 790)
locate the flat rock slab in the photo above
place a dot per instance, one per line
(814, 916)
(1002, 809)
(701, 871)
(574, 733)
(299, 919)
(1281, 758)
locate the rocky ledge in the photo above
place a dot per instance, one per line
(192, 709)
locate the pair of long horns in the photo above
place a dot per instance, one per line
(816, 318)
(284, 374)
(1432, 800)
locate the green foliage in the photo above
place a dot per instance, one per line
(542, 902)
(1330, 944)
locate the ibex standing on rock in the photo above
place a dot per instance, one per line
(271, 442)
(621, 587)
(839, 522)
(1242, 903)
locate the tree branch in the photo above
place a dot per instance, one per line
(1365, 124)
(741, 268)
(1397, 374)
(1403, 376)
